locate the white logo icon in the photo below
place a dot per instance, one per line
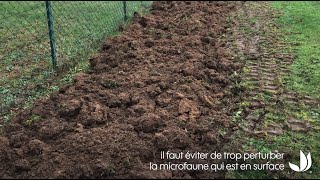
(305, 163)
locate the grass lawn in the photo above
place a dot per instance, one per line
(300, 22)
(25, 62)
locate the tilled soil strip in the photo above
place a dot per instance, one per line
(164, 84)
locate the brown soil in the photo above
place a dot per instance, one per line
(164, 84)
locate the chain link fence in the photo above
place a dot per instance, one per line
(28, 54)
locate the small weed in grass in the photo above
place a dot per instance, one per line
(245, 104)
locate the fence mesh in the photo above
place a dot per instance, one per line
(25, 53)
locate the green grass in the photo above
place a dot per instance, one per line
(289, 143)
(300, 22)
(25, 62)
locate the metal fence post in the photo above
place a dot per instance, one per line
(125, 10)
(51, 34)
